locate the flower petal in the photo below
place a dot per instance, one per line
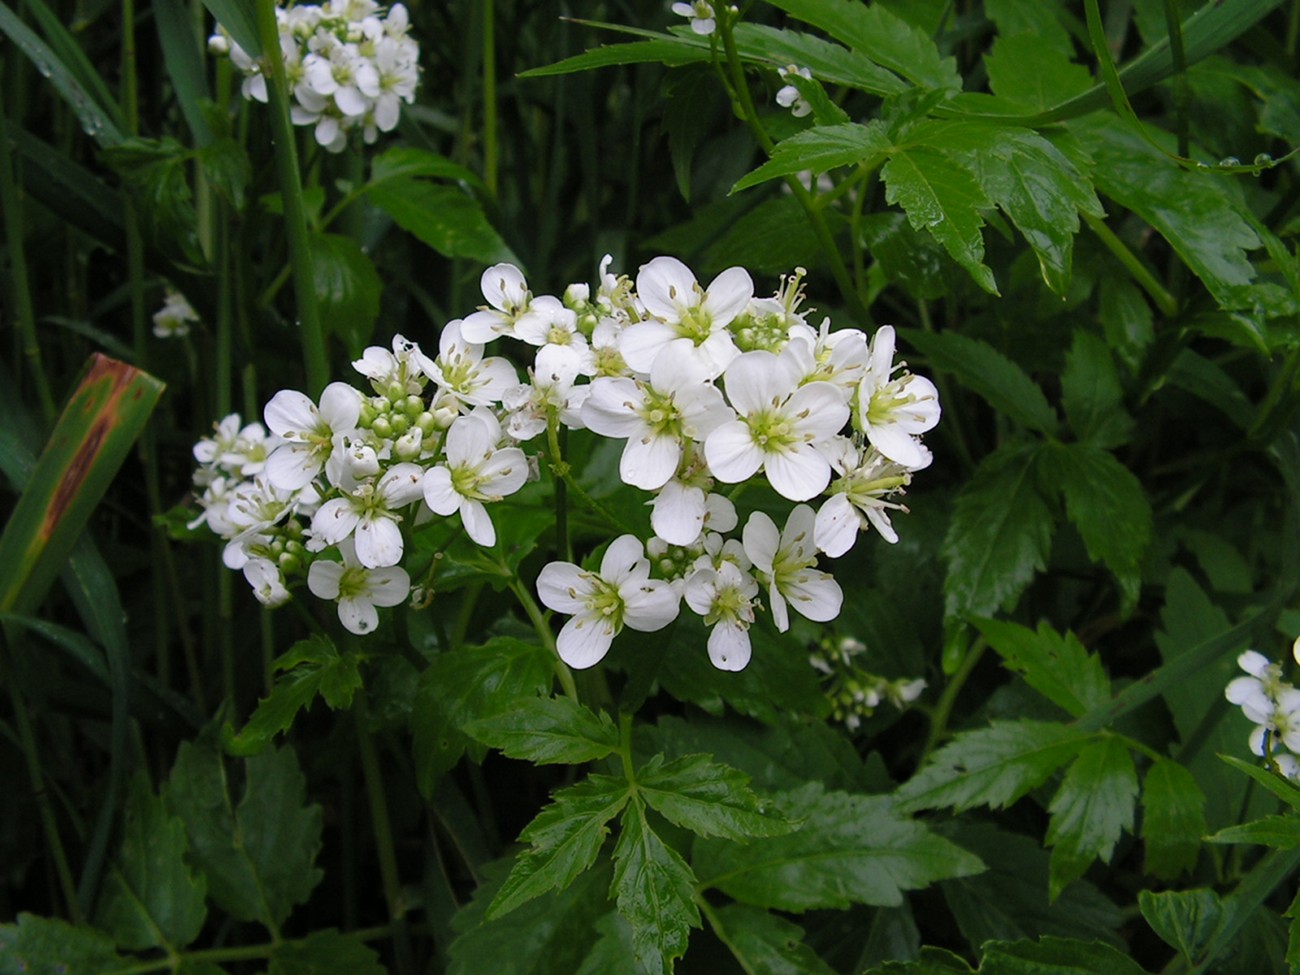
(584, 640)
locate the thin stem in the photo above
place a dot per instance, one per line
(742, 98)
(553, 435)
(295, 213)
(490, 152)
(625, 747)
(1181, 92)
(1166, 302)
(943, 710)
(543, 628)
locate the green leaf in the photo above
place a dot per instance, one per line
(769, 47)
(823, 148)
(614, 951)
(226, 165)
(1056, 666)
(1173, 819)
(1185, 919)
(765, 943)
(311, 667)
(565, 838)
(1126, 317)
(933, 961)
(1198, 213)
(258, 857)
(152, 898)
(347, 289)
(983, 369)
(548, 730)
(185, 67)
(1025, 71)
(1207, 380)
(47, 946)
(1282, 832)
(462, 685)
(1106, 503)
(444, 217)
(992, 766)
(1092, 395)
(1056, 956)
(771, 238)
(408, 162)
(1041, 21)
(239, 18)
(1093, 806)
(325, 952)
(709, 799)
(655, 890)
(101, 421)
(547, 936)
(1000, 533)
(1283, 788)
(156, 171)
(882, 36)
(850, 849)
(944, 197)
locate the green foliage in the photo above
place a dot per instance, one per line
(1056, 666)
(1090, 810)
(545, 730)
(1173, 818)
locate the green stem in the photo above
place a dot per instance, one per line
(543, 628)
(490, 152)
(217, 956)
(553, 435)
(295, 213)
(565, 481)
(943, 710)
(807, 200)
(625, 747)
(1181, 92)
(11, 197)
(1166, 302)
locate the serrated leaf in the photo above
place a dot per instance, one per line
(1126, 317)
(771, 237)
(942, 196)
(767, 944)
(227, 167)
(48, 946)
(326, 952)
(1284, 789)
(258, 857)
(239, 18)
(444, 217)
(614, 951)
(980, 367)
(707, 798)
(1056, 956)
(1197, 212)
(347, 289)
(156, 173)
(152, 897)
(311, 667)
(1055, 665)
(1282, 832)
(999, 536)
(933, 961)
(1185, 919)
(548, 730)
(1106, 503)
(565, 838)
(408, 162)
(1173, 819)
(849, 849)
(547, 936)
(462, 685)
(821, 149)
(655, 890)
(992, 766)
(1025, 71)
(1093, 806)
(881, 35)
(1092, 395)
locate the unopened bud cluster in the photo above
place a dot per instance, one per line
(855, 692)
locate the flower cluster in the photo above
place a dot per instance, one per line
(174, 318)
(855, 692)
(1273, 705)
(349, 65)
(705, 387)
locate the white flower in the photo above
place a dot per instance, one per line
(703, 18)
(267, 582)
(357, 589)
(779, 425)
(601, 604)
(681, 309)
(838, 357)
(683, 509)
(785, 564)
(789, 96)
(506, 291)
(859, 496)
(369, 516)
(235, 449)
(553, 374)
(308, 432)
(395, 373)
(678, 405)
(173, 319)
(725, 598)
(893, 413)
(461, 370)
(476, 471)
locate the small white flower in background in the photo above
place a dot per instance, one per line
(1262, 685)
(1273, 705)
(174, 318)
(784, 562)
(893, 413)
(357, 589)
(601, 604)
(701, 14)
(789, 96)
